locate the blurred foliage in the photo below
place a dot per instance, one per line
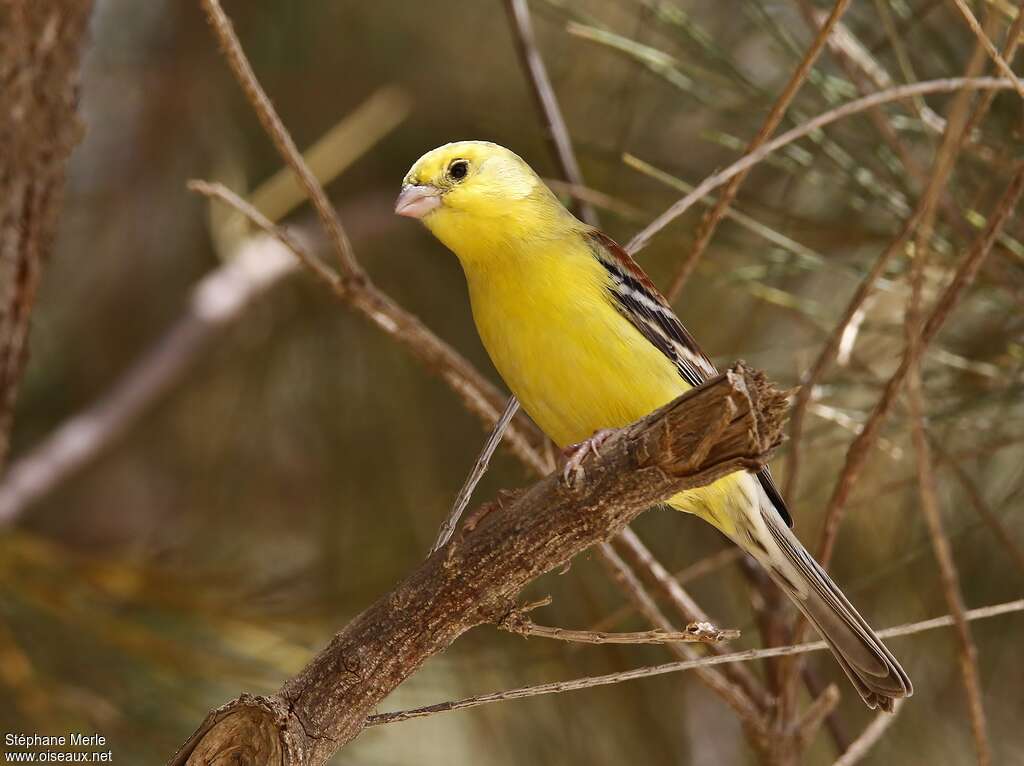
(307, 462)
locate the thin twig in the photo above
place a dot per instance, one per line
(589, 682)
(968, 652)
(918, 224)
(314, 265)
(742, 219)
(848, 109)
(1013, 38)
(977, 500)
(709, 223)
(275, 129)
(736, 697)
(870, 736)
(990, 48)
(695, 633)
(864, 71)
(544, 93)
(856, 456)
(807, 725)
(696, 570)
(835, 725)
(953, 141)
(639, 556)
(479, 469)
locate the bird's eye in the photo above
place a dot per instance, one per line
(458, 170)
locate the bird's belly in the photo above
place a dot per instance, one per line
(578, 369)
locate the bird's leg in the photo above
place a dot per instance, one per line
(574, 454)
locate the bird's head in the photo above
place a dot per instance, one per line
(470, 192)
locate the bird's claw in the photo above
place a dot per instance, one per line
(575, 454)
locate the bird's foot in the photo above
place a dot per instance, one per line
(575, 454)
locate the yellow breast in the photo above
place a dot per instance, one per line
(573, 361)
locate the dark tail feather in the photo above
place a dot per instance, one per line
(874, 671)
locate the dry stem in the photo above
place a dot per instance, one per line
(709, 184)
(709, 223)
(856, 456)
(704, 663)
(990, 48)
(547, 102)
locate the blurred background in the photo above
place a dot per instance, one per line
(301, 466)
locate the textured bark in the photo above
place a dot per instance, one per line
(40, 42)
(731, 423)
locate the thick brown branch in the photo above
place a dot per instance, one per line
(731, 423)
(39, 69)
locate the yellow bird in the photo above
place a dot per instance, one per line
(587, 343)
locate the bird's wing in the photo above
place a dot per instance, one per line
(639, 301)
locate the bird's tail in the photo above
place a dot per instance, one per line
(874, 671)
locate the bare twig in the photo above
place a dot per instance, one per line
(735, 696)
(977, 500)
(694, 571)
(869, 737)
(479, 469)
(919, 224)
(991, 49)
(835, 725)
(557, 132)
(709, 223)
(953, 140)
(335, 151)
(742, 219)
(590, 682)
(848, 109)
(695, 633)
(275, 129)
(857, 454)
(807, 725)
(1013, 38)
(640, 557)
(968, 652)
(311, 263)
(864, 71)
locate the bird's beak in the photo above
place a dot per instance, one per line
(416, 201)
